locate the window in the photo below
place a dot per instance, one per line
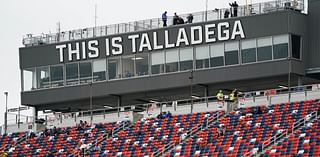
(296, 46)
(231, 53)
(57, 76)
(216, 55)
(72, 73)
(248, 51)
(114, 68)
(280, 46)
(172, 60)
(43, 77)
(202, 57)
(29, 79)
(186, 59)
(85, 72)
(128, 66)
(157, 62)
(142, 62)
(264, 49)
(99, 70)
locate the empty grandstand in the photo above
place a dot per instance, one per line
(144, 89)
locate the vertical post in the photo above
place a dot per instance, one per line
(6, 114)
(19, 117)
(91, 113)
(206, 95)
(95, 20)
(119, 103)
(289, 80)
(191, 82)
(206, 17)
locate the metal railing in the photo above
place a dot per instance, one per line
(191, 132)
(276, 138)
(155, 23)
(268, 96)
(115, 131)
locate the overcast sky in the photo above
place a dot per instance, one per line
(18, 18)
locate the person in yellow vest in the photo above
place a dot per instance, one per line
(4, 154)
(233, 96)
(220, 95)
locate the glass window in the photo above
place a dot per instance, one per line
(114, 68)
(29, 79)
(85, 72)
(172, 60)
(142, 62)
(264, 49)
(72, 74)
(57, 76)
(186, 59)
(128, 66)
(296, 46)
(280, 46)
(231, 53)
(157, 62)
(217, 55)
(248, 51)
(99, 70)
(43, 77)
(202, 57)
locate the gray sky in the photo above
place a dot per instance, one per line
(41, 16)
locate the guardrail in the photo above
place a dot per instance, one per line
(209, 15)
(245, 99)
(115, 131)
(274, 139)
(193, 131)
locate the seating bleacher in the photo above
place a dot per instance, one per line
(245, 130)
(150, 135)
(65, 142)
(304, 142)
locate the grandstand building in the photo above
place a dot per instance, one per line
(120, 78)
(140, 62)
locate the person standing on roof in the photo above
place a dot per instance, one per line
(190, 18)
(175, 19)
(234, 6)
(164, 19)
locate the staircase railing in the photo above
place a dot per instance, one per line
(194, 130)
(276, 138)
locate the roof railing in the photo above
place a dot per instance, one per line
(155, 23)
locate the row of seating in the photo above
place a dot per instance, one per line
(303, 142)
(64, 141)
(244, 131)
(150, 135)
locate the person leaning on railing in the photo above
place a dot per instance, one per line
(220, 96)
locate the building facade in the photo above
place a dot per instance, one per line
(259, 49)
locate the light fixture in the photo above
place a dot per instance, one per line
(284, 87)
(195, 97)
(153, 101)
(109, 107)
(137, 58)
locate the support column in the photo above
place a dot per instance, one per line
(299, 80)
(119, 104)
(35, 114)
(206, 93)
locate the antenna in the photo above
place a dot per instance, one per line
(95, 15)
(58, 31)
(95, 20)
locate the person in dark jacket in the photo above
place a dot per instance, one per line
(164, 19)
(190, 18)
